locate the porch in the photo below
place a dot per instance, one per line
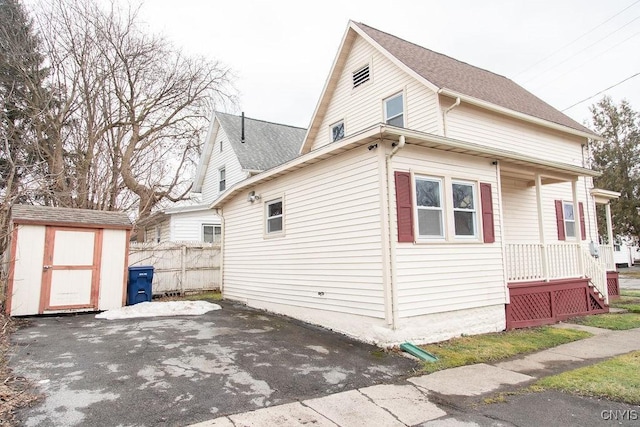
(552, 282)
(554, 267)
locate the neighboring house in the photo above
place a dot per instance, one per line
(235, 148)
(624, 251)
(431, 198)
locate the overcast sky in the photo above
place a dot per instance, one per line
(282, 51)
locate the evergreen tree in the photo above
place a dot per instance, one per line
(618, 158)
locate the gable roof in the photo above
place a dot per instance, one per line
(266, 144)
(449, 73)
(451, 77)
(29, 214)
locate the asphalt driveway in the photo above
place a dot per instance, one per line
(182, 370)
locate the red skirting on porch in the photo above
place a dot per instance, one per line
(543, 303)
(613, 285)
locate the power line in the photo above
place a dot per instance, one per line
(601, 92)
(582, 50)
(580, 37)
(587, 61)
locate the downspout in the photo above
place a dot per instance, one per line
(218, 212)
(444, 115)
(503, 239)
(392, 244)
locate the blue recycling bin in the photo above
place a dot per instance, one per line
(139, 284)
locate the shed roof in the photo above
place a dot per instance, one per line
(266, 144)
(449, 73)
(29, 214)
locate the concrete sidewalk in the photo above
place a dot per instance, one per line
(412, 402)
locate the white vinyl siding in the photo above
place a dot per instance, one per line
(330, 257)
(468, 123)
(521, 214)
(453, 275)
(226, 160)
(361, 107)
(187, 226)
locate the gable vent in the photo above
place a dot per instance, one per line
(361, 76)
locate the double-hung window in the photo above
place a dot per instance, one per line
(222, 183)
(430, 207)
(464, 208)
(274, 216)
(394, 110)
(569, 219)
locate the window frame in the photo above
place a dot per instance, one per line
(214, 234)
(474, 211)
(417, 208)
(385, 102)
(333, 126)
(574, 221)
(222, 179)
(267, 203)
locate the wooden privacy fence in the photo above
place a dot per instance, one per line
(179, 266)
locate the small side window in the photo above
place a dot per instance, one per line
(394, 110)
(569, 219)
(275, 216)
(337, 131)
(211, 233)
(221, 146)
(223, 180)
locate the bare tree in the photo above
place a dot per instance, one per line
(134, 107)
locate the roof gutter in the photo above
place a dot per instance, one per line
(517, 115)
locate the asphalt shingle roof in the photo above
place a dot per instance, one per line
(47, 214)
(448, 73)
(266, 144)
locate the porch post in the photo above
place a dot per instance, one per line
(609, 224)
(543, 246)
(578, 227)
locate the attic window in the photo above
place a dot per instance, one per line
(361, 76)
(337, 131)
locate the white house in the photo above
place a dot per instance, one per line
(431, 198)
(235, 148)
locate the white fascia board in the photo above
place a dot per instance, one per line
(183, 209)
(380, 131)
(515, 114)
(203, 163)
(358, 138)
(489, 152)
(311, 132)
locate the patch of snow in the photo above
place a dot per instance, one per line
(157, 308)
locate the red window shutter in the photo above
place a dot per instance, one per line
(583, 227)
(404, 206)
(488, 229)
(560, 220)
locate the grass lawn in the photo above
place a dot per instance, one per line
(629, 300)
(615, 321)
(630, 274)
(208, 296)
(496, 346)
(615, 379)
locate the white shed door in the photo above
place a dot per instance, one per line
(71, 271)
